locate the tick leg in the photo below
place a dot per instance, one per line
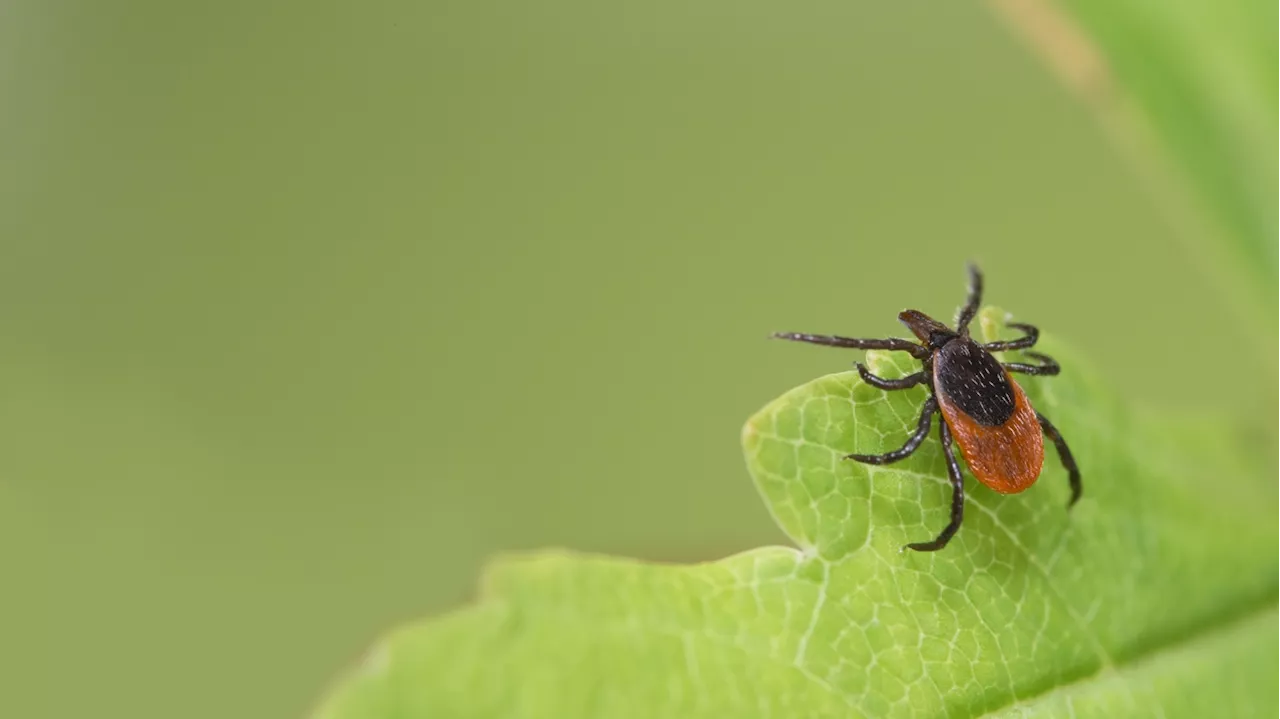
(1027, 340)
(1064, 454)
(974, 300)
(957, 496)
(893, 343)
(1047, 365)
(913, 442)
(910, 380)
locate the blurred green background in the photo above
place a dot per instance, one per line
(309, 307)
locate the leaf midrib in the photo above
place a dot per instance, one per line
(1205, 634)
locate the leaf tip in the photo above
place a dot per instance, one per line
(749, 435)
(991, 320)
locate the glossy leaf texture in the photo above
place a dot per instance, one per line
(1155, 596)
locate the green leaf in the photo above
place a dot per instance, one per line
(1187, 89)
(1154, 596)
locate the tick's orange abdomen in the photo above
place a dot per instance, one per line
(1006, 457)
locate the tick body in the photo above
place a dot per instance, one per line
(989, 416)
(983, 409)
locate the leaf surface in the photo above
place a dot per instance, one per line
(1188, 90)
(1154, 596)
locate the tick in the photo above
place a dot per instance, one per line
(983, 408)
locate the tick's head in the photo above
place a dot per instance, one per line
(931, 332)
